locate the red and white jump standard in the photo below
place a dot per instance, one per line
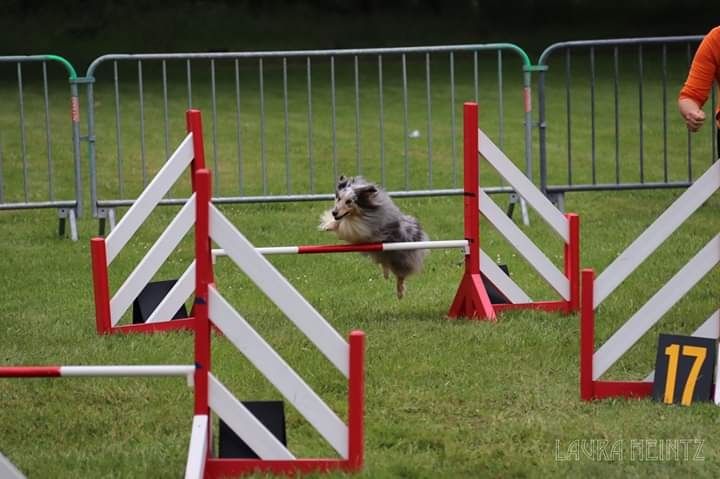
(594, 363)
(213, 396)
(109, 309)
(210, 307)
(471, 299)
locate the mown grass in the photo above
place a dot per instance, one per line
(455, 398)
(444, 398)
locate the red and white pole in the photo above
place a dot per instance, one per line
(95, 371)
(357, 248)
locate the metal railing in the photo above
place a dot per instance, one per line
(39, 158)
(608, 116)
(283, 125)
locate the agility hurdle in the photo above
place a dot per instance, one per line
(211, 306)
(212, 396)
(471, 299)
(594, 363)
(110, 309)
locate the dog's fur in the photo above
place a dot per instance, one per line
(364, 213)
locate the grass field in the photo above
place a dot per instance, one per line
(444, 398)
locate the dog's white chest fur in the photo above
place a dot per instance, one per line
(353, 230)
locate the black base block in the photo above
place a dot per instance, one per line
(270, 413)
(150, 297)
(496, 297)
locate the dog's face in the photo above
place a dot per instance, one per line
(352, 195)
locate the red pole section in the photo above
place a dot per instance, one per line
(203, 277)
(587, 335)
(101, 287)
(471, 299)
(356, 401)
(572, 261)
(193, 121)
(30, 372)
(471, 185)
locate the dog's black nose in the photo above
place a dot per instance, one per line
(334, 213)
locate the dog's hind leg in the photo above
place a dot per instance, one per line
(386, 271)
(400, 287)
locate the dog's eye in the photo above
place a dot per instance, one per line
(347, 202)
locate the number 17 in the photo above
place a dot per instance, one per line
(673, 351)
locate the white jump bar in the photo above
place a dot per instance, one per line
(170, 370)
(350, 248)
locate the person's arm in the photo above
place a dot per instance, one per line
(696, 89)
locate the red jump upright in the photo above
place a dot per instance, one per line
(471, 299)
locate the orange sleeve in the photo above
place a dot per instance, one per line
(704, 70)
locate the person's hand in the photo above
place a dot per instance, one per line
(694, 119)
(692, 114)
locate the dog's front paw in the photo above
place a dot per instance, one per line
(327, 222)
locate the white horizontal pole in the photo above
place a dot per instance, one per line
(399, 246)
(651, 312)
(656, 233)
(413, 245)
(143, 370)
(149, 198)
(265, 251)
(523, 186)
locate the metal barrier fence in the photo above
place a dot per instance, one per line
(39, 157)
(608, 117)
(283, 125)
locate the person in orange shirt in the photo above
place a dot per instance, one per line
(705, 69)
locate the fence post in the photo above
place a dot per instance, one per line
(91, 145)
(542, 129)
(75, 119)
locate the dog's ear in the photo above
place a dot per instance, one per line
(366, 190)
(342, 182)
